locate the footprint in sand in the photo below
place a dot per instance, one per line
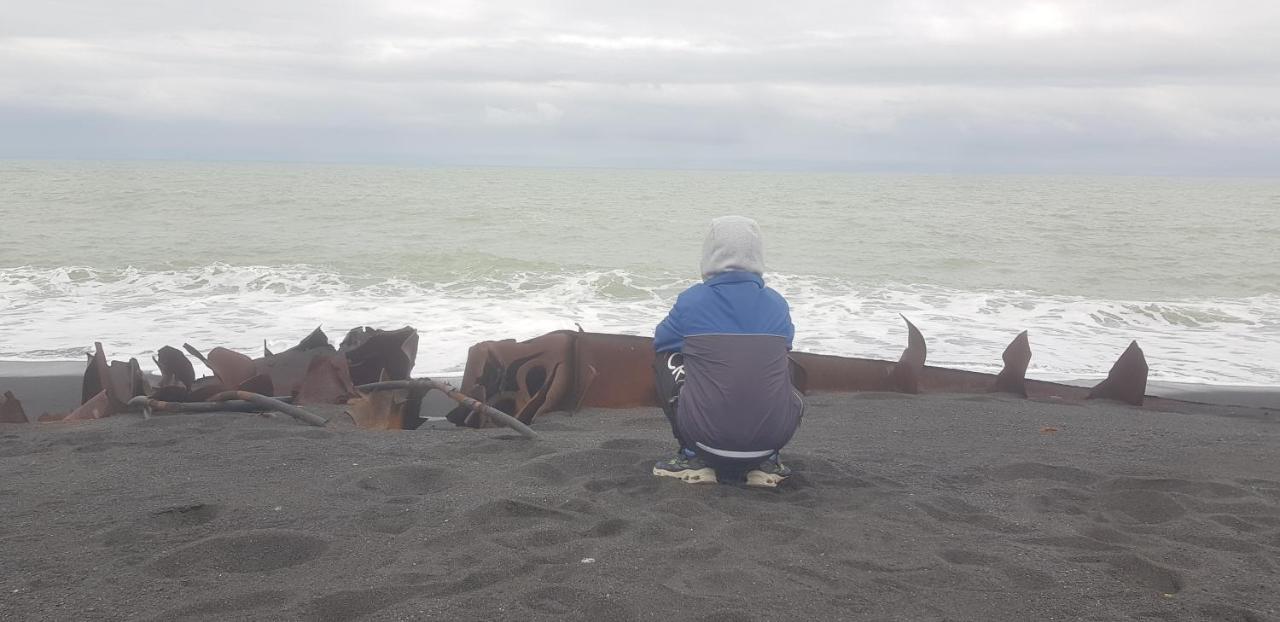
(404, 480)
(953, 510)
(182, 516)
(243, 552)
(1141, 506)
(1139, 571)
(218, 608)
(392, 519)
(1018, 576)
(1040, 470)
(568, 603)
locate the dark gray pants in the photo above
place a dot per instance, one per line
(668, 369)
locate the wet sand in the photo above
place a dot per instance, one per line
(903, 508)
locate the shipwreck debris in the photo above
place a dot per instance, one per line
(174, 367)
(561, 370)
(482, 409)
(231, 367)
(1012, 378)
(97, 407)
(327, 381)
(11, 409)
(374, 354)
(383, 410)
(1127, 380)
(905, 376)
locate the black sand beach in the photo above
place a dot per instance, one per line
(903, 508)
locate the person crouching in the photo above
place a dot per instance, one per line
(722, 366)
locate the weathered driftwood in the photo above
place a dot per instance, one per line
(455, 395)
(148, 406)
(271, 403)
(231, 401)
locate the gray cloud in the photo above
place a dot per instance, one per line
(1146, 87)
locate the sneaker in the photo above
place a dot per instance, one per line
(687, 467)
(768, 474)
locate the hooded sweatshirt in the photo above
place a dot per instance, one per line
(735, 334)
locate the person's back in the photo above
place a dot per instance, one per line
(722, 366)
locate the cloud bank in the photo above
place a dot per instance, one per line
(925, 85)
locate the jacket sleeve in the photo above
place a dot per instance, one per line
(780, 318)
(788, 326)
(669, 336)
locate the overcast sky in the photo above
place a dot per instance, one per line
(1113, 86)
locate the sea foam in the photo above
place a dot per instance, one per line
(57, 314)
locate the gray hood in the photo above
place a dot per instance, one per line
(732, 245)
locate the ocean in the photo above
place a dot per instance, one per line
(144, 254)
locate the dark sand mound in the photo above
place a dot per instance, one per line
(903, 508)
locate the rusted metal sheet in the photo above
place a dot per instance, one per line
(621, 367)
(231, 367)
(1012, 378)
(175, 367)
(287, 369)
(374, 354)
(906, 373)
(517, 377)
(327, 381)
(97, 407)
(120, 381)
(11, 409)
(1127, 381)
(565, 370)
(382, 410)
(260, 384)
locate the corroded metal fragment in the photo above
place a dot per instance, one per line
(260, 384)
(1012, 378)
(382, 410)
(287, 369)
(1127, 381)
(327, 381)
(828, 373)
(562, 370)
(11, 409)
(231, 367)
(174, 367)
(97, 407)
(205, 388)
(374, 354)
(120, 381)
(622, 370)
(905, 376)
(511, 376)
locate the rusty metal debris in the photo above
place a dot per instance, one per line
(382, 410)
(174, 367)
(508, 382)
(327, 381)
(1127, 380)
(1012, 378)
(906, 373)
(374, 354)
(567, 370)
(561, 370)
(11, 409)
(484, 410)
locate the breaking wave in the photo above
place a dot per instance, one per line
(57, 314)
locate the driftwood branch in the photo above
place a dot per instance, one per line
(147, 406)
(270, 403)
(455, 395)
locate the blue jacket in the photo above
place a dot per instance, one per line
(730, 303)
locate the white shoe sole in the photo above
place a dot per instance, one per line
(760, 479)
(697, 476)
